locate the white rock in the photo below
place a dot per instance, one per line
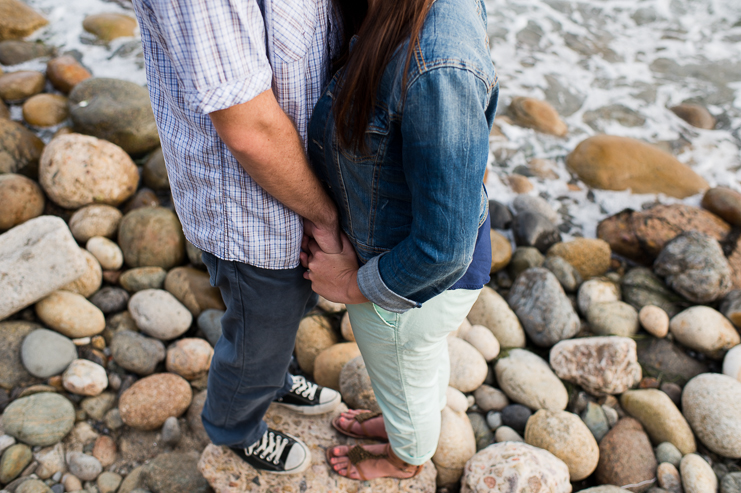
(456, 400)
(5, 442)
(84, 377)
(705, 330)
(697, 475)
(493, 312)
(36, 258)
(107, 252)
(483, 340)
(655, 320)
(468, 367)
(494, 420)
(527, 379)
(95, 220)
(457, 444)
(85, 467)
(710, 402)
(159, 314)
(507, 434)
(51, 461)
(732, 363)
(596, 291)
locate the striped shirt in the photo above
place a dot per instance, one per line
(208, 55)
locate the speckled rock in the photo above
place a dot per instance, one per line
(705, 330)
(190, 358)
(600, 365)
(355, 386)
(660, 417)
(150, 401)
(493, 312)
(596, 291)
(136, 353)
(158, 314)
(12, 371)
(626, 458)
(84, 377)
(39, 419)
(590, 256)
(314, 335)
(710, 404)
(527, 379)
(468, 367)
(496, 468)
(22, 200)
(697, 475)
(70, 314)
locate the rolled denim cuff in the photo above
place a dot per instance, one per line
(374, 289)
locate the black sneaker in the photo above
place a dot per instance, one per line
(277, 453)
(309, 398)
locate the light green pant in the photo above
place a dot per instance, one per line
(407, 359)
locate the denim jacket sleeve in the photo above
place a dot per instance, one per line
(445, 135)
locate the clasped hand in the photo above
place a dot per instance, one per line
(333, 275)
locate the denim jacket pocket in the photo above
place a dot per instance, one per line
(375, 139)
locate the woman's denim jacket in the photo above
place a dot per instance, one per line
(413, 203)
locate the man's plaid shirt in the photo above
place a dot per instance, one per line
(207, 55)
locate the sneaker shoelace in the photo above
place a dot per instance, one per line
(304, 388)
(269, 448)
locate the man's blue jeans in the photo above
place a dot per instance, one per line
(250, 364)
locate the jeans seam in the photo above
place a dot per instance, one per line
(397, 327)
(241, 359)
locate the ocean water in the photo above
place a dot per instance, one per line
(626, 59)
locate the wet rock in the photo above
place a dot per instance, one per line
(51, 461)
(456, 446)
(39, 419)
(118, 111)
(596, 291)
(190, 358)
(468, 367)
(193, 289)
(501, 217)
(84, 377)
(108, 26)
(111, 300)
(65, 72)
(694, 114)
(483, 340)
(710, 403)
(724, 203)
(613, 318)
(89, 282)
(18, 86)
(490, 399)
(226, 472)
(329, 363)
(45, 110)
(501, 251)
(14, 461)
(355, 386)
(535, 230)
(732, 363)
(609, 162)
(600, 365)
(654, 320)
(566, 436)
(142, 278)
(697, 475)
(519, 183)
(591, 257)
(626, 457)
(158, 314)
(595, 419)
(528, 379)
(152, 237)
(70, 314)
(534, 203)
(209, 321)
(660, 417)
(705, 330)
(524, 258)
(640, 236)
(154, 172)
(150, 401)
(18, 20)
(94, 220)
(314, 335)
(13, 52)
(536, 114)
(137, 353)
(566, 274)
(541, 304)
(496, 468)
(613, 113)
(46, 353)
(22, 200)
(12, 335)
(83, 466)
(20, 149)
(493, 312)
(661, 357)
(667, 452)
(694, 266)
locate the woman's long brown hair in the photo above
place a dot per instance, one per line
(381, 27)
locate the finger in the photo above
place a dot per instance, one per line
(314, 247)
(305, 243)
(304, 259)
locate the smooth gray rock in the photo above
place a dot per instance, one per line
(613, 318)
(515, 416)
(533, 203)
(596, 420)
(535, 230)
(566, 274)
(171, 431)
(137, 353)
(85, 467)
(668, 452)
(209, 321)
(710, 402)
(484, 436)
(523, 259)
(501, 217)
(46, 353)
(111, 299)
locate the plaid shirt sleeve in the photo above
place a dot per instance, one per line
(217, 48)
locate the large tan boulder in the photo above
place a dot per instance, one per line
(329, 363)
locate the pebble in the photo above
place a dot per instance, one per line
(107, 252)
(613, 318)
(566, 436)
(516, 417)
(20, 85)
(697, 475)
(22, 200)
(507, 434)
(329, 363)
(84, 377)
(190, 358)
(209, 321)
(519, 183)
(171, 431)
(595, 419)
(482, 433)
(456, 446)
(152, 237)
(535, 203)
(527, 379)
(93, 221)
(484, 341)
(600, 365)
(493, 312)
(97, 406)
(314, 335)
(693, 265)
(83, 466)
(142, 278)
(468, 368)
(158, 314)
(697, 116)
(192, 287)
(667, 452)
(501, 217)
(566, 274)
(660, 417)
(108, 26)
(732, 363)
(150, 401)
(490, 399)
(51, 461)
(626, 457)
(589, 256)
(76, 170)
(143, 198)
(20, 149)
(501, 465)
(45, 110)
(596, 291)
(154, 172)
(532, 229)
(538, 115)
(705, 330)
(111, 299)
(494, 420)
(105, 450)
(89, 282)
(356, 390)
(113, 419)
(46, 353)
(543, 308)
(108, 482)
(523, 259)
(731, 483)
(14, 461)
(39, 419)
(668, 477)
(71, 482)
(65, 72)
(711, 405)
(654, 320)
(70, 314)
(36, 258)
(5, 442)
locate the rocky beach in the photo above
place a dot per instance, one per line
(605, 354)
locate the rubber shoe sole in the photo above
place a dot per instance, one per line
(303, 466)
(314, 410)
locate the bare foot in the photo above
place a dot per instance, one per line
(372, 428)
(370, 467)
